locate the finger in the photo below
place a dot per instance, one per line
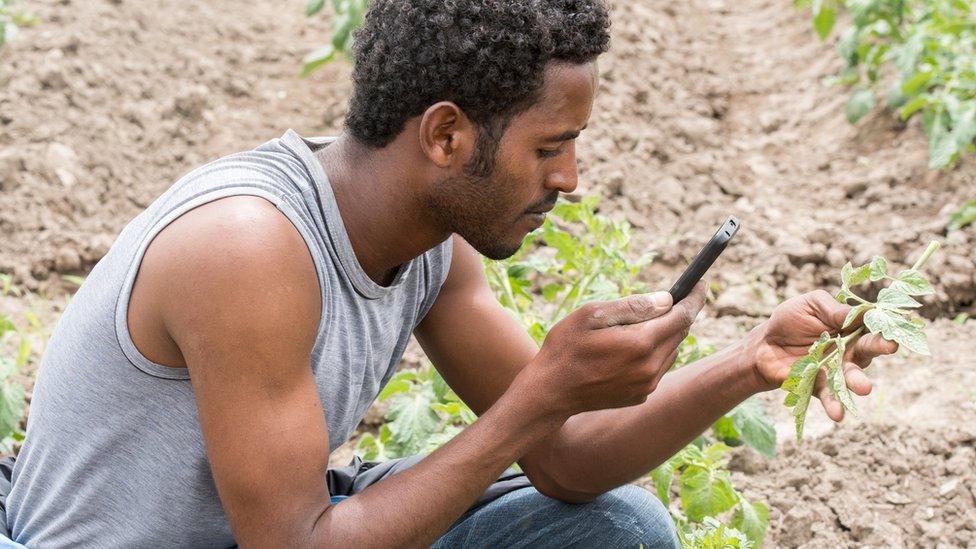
(831, 404)
(695, 301)
(827, 309)
(869, 347)
(632, 309)
(857, 380)
(678, 320)
(663, 364)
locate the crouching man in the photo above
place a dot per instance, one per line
(240, 326)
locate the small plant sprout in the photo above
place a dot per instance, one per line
(892, 316)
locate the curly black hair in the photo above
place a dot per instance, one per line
(487, 56)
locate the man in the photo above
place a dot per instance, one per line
(239, 328)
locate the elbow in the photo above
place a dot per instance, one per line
(558, 489)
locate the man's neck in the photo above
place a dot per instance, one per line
(381, 206)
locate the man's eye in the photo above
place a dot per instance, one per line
(549, 153)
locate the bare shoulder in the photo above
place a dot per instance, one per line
(234, 261)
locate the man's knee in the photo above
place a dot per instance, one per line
(638, 516)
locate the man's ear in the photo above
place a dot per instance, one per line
(446, 134)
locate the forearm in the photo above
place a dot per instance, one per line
(418, 505)
(597, 451)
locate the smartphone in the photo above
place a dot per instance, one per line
(704, 259)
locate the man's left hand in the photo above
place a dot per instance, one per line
(792, 329)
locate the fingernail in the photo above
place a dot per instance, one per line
(661, 299)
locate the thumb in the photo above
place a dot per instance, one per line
(633, 309)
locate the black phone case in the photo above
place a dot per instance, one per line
(696, 270)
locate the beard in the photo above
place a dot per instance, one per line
(478, 209)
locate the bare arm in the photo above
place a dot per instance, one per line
(479, 347)
(237, 292)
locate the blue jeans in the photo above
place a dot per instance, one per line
(628, 516)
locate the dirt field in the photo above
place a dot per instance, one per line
(707, 107)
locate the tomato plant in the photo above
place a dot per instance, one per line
(891, 316)
(347, 18)
(919, 55)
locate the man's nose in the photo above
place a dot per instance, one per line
(565, 176)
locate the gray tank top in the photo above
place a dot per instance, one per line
(114, 455)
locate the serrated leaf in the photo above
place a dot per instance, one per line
(854, 313)
(803, 382)
(892, 298)
(912, 282)
(413, 421)
(663, 476)
(879, 268)
(838, 386)
(754, 426)
(752, 519)
(705, 492)
(817, 349)
(835, 377)
(897, 328)
(859, 104)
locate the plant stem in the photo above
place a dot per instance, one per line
(847, 339)
(933, 247)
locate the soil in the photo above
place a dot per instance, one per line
(706, 108)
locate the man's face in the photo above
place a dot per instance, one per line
(494, 208)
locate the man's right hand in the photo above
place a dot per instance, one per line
(612, 354)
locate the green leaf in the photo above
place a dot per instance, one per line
(12, 403)
(824, 17)
(892, 298)
(847, 46)
(854, 313)
(6, 325)
(838, 386)
(914, 105)
(663, 476)
(314, 6)
(916, 82)
(705, 492)
(369, 448)
(752, 519)
(897, 328)
(879, 268)
(754, 426)
(393, 387)
(835, 377)
(413, 421)
(912, 282)
(725, 430)
(852, 277)
(23, 353)
(317, 57)
(942, 144)
(859, 104)
(803, 375)
(965, 215)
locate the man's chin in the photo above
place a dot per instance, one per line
(496, 249)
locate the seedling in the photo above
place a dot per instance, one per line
(891, 315)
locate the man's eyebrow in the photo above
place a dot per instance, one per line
(565, 136)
